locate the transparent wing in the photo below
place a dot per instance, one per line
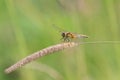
(58, 28)
(81, 36)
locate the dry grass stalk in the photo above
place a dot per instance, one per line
(39, 54)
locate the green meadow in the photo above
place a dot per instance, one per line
(26, 26)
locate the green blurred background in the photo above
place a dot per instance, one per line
(26, 27)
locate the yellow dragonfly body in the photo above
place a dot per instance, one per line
(68, 36)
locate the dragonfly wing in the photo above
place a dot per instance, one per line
(82, 36)
(58, 28)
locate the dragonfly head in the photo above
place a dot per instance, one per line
(63, 34)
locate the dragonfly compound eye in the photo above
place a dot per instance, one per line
(63, 34)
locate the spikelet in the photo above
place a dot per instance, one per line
(39, 54)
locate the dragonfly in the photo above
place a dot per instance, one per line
(69, 36)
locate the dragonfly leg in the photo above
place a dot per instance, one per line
(67, 39)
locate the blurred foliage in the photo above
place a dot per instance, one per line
(26, 27)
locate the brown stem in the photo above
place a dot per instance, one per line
(39, 54)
